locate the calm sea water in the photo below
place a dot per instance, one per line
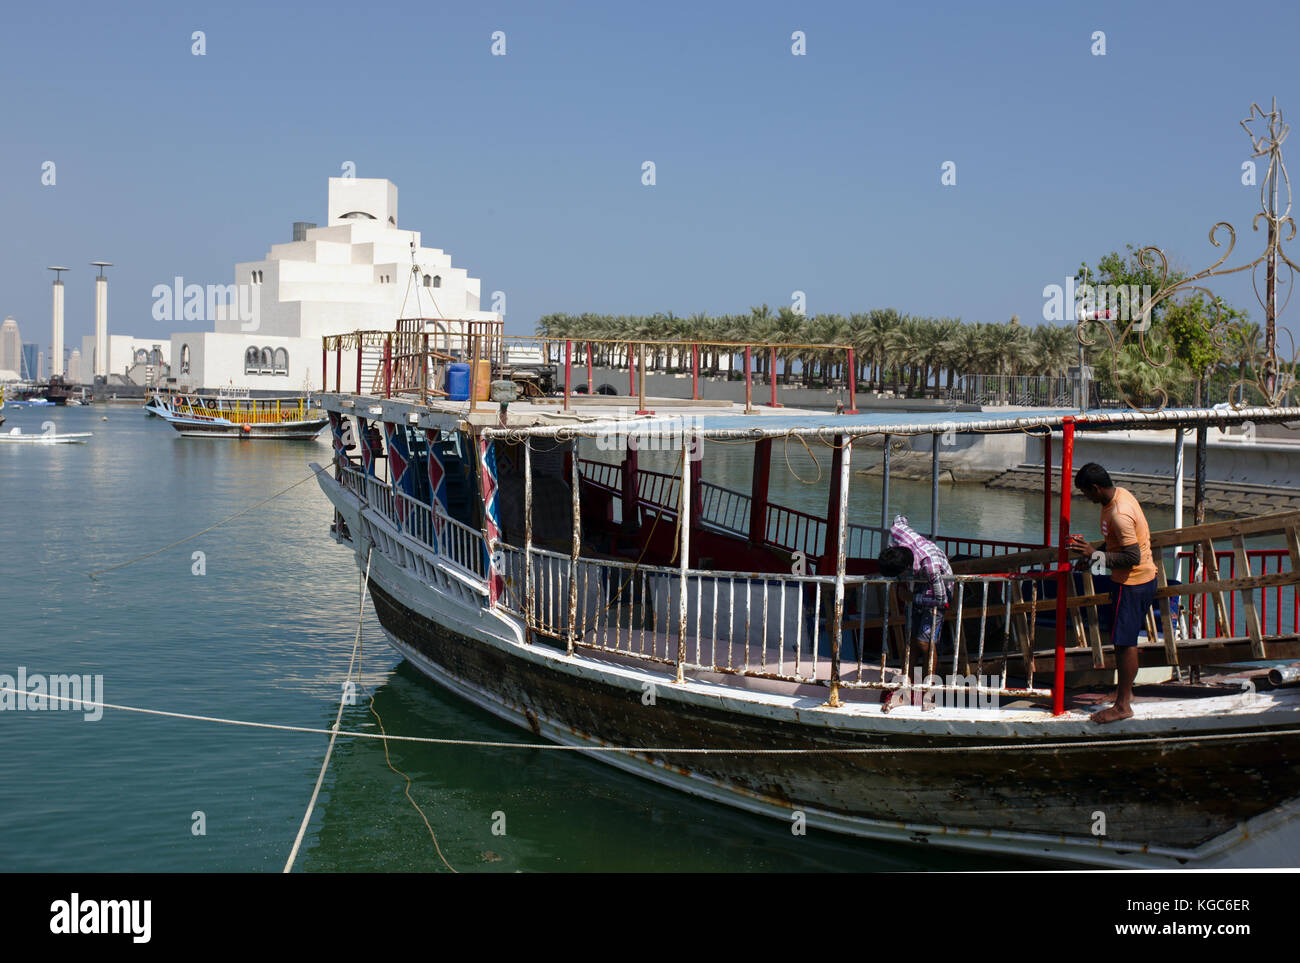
(265, 634)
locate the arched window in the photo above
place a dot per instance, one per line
(428, 281)
(251, 358)
(281, 361)
(185, 359)
(437, 280)
(141, 356)
(266, 361)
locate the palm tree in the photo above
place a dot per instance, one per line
(905, 346)
(1007, 346)
(1246, 352)
(884, 322)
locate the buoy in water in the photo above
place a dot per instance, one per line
(246, 429)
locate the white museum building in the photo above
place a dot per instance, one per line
(359, 272)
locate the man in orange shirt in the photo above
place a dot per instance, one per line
(1127, 551)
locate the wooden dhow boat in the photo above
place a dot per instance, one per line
(226, 416)
(740, 650)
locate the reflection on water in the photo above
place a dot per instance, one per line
(265, 634)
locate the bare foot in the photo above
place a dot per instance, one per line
(1113, 714)
(893, 700)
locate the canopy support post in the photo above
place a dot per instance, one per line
(684, 550)
(934, 484)
(577, 547)
(528, 538)
(845, 447)
(758, 491)
(1047, 489)
(1063, 577)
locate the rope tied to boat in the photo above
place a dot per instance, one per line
(334, 730)
(681, 750)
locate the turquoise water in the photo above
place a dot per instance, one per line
(265, 634)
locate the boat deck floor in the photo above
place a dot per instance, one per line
(658, 650)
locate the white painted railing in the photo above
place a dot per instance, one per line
(455, 542)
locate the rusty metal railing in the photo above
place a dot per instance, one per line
(413, 360)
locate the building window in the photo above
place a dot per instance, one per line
(281, 361)
(185, 359)
(437, 280)
(428, 281)
(141, 356)
(251, 358)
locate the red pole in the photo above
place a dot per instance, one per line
(591, 385)
(771, 365)
(853, 385)
(1062, 561)
(568, 371)
(748, 382)
(1047, 490)
(631, 372)
(695, 372)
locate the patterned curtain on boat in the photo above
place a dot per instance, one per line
(399, 463)
(372, 446)
(487, 458)
(336, 432)
(437, 483)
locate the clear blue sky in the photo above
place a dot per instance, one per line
(775, 172)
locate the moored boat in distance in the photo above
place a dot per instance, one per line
(16, 436)
(225, 416)
(524, 556)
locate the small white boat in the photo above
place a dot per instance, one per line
(16, 436)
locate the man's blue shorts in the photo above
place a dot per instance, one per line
(923, 622)
(1132, 602)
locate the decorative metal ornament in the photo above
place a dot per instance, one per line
(1273, 379)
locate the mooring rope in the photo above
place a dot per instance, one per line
(674, 750)
(188, 538)
(334, 731)
(389, 761)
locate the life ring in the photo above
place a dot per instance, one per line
(246, 429)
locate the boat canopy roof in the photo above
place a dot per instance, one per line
(672, 417)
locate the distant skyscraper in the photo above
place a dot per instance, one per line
(31, 362)
(11, 346)
(74, 367)
(40, 365)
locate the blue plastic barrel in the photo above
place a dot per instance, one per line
(458, 382)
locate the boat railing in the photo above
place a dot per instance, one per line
(1278, 606)
(787, 529)
(456, 543)
(771, 626)
(1003, 610)
(240, 411)
(413, 359)
(1240, 604)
